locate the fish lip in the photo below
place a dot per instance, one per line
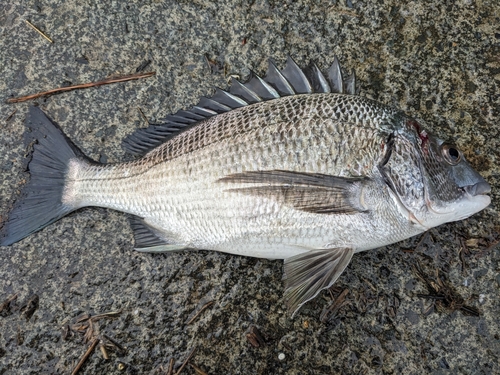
(481, 188)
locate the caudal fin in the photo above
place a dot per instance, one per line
(40, 202)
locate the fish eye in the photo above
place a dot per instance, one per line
(451, 154)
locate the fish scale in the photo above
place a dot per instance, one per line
(311, 175)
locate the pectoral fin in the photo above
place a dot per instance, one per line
(310, 192)
(309, 273)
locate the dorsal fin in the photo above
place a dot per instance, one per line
(290, 81)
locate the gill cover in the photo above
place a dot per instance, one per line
(401, 169)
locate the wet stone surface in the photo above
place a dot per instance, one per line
(438, 62)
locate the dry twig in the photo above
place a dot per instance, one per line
(10, 116)
(171, 367)
(143, 115)
(89, 326)
(115, 344)
(198, 370)
(85, 356)
(110, 315)
(38, 31)
(190, 355)
(442, 295)
(210, 303)
(108, 81)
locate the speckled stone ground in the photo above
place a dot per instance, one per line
(438, 62)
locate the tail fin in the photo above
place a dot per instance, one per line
(40, 202)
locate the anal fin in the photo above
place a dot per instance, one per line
(309, 273)
(147, 239)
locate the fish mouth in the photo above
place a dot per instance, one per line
(481, 188)
(475, 195)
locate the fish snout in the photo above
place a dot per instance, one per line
(480, 188)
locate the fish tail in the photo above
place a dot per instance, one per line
(41, 200)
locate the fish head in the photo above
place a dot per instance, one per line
(453, 189)
(432, 179)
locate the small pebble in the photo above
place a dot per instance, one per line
(281, 356)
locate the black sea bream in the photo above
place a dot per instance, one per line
(292, 166)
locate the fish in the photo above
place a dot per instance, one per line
(295, 166)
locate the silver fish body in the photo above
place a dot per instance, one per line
(310, 178)
(177, 188)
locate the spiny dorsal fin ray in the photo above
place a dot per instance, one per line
(290, 81)
(309, 273)
(296, 77)
(179, 119)
(202, 111)
(214, 105)
(228, 99)
(276, 79)
(316, 78)
(350, 84)
(245, 92)
(335, 77)
(192, 115)
(261, 87)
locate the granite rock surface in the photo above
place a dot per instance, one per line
(428, 305)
